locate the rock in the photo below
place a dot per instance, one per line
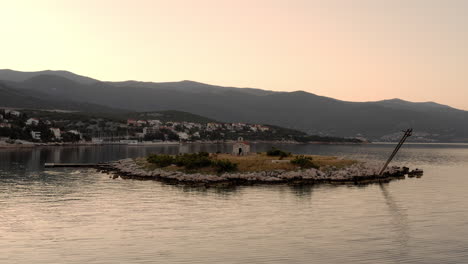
(359, 173)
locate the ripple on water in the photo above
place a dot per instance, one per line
(76, 216)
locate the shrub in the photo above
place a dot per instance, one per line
(224, 166)
(160, 160)
(304, 162)
(278, 152)
(203, 154)
(193, 161)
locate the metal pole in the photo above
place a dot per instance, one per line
(407, 134)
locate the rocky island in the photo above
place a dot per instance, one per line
(272, 167)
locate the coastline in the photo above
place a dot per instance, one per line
(4, 145)
(358, 174)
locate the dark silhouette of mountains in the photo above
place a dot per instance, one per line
(12, 97)
(298, 110)
(18, 76)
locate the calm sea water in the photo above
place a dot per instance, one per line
(81, 216)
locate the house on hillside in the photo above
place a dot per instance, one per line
(57, 133)
(183, 135)
(141, 123)
(36, 135)
(12, 112)
(154, 123)
(150, 130)
(76, 133)
(262, 128)
(213, 126)
(131, 122)
(32, 122)
(238, 126)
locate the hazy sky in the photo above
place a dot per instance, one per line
(357, 50)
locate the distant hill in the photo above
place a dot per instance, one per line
(18, 76)
(382, 120)
(12, 97)
(189, 87)
(422, 107)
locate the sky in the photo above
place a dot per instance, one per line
(354, 50)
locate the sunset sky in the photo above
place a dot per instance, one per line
(360, 50)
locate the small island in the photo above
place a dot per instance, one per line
(243, 168)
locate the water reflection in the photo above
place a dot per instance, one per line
(81, 216)
(302, 191)
(399, 220)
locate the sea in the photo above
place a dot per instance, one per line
(70, 215)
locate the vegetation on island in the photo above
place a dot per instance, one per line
(206, 163)
(191, 162)
(273, 152)
(304, 162)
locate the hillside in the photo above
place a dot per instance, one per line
(297, 110)
(169, 115)
(18, 76)
(163, 116)
(12, 97)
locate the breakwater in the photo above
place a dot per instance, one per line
(360, 173)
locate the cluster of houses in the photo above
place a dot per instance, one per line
(4, 122)
(190, 130)
(15, 119)
(46, 129)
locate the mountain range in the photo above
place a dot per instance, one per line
(314, 114)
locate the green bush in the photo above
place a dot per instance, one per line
(278, 152)
(161, 160)
(203, 154)
(224, 166)
(304, 162)
(193, 161)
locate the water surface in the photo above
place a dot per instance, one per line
(78, 216)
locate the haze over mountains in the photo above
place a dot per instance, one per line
(382, 120)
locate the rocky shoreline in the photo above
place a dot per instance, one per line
(357, 174)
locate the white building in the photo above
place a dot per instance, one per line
(131, 122)
(237, 126)
(36, 135)
(154, 123)
(183, 135)
(189, 125)
(150, 130)
(257, 128)
(212, 126)
(141, 123)
(128, 141)
(12, 112)
(97, 140)
(241, 147)
(32, 122)
(76, 133)
(57, 133)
